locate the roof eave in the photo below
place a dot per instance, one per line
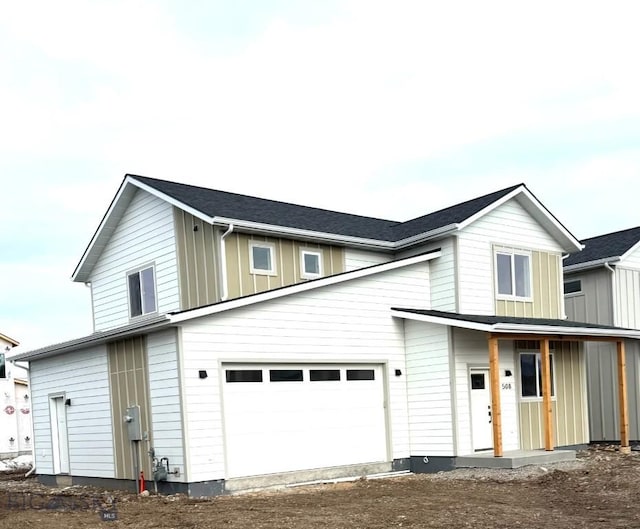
(597, 263)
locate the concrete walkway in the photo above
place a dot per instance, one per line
(514, 458)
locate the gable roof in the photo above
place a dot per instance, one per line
(270, 216)
(10, 340)
(601, 249)
(517, 325)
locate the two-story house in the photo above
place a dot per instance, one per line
(241, 341)
(602, 286)
(15, 405)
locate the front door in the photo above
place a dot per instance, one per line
(60, 441)
(482, 429)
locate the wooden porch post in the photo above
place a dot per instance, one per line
(546, 394)
(496, 410)
(622, 399)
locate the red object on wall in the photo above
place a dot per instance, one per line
(25, 410)
(9, 410)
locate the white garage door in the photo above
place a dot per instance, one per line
(291, 417)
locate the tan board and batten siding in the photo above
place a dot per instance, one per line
(570, 414)
(546, 271)
(128, 378)
(287, 263)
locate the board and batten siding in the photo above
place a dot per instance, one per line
(627, 297)
(83, 377)
(165, 399)
(348, 322)
(569, 405)
(429, 389)
(197, 247)
(144, 236)
(240, 280)
(471, 350)
(508, 225)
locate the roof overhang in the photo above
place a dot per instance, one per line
(13, 342)
(597, 263)
(559, 330)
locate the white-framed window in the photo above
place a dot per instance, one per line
(262, 257)
(513, 274)
(573, 287)
(310, 264)
(141, 285)
(531, 375)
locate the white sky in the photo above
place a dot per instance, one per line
(389, 109)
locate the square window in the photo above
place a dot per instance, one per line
(311, 264)
(262, 257)
(513, 275)
(142, 292)
(531, 374)
(573, 287)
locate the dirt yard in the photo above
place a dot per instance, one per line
(600, 490)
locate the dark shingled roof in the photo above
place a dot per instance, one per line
(492, 320)
(215, 203)
(607, 246)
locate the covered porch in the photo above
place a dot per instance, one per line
(545, 333)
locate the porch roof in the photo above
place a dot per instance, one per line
(518, 326)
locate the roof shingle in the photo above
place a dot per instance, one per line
(607, 246)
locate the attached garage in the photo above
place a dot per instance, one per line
(280, 418)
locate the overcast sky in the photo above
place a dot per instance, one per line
(390, 109)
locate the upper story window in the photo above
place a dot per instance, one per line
(142, 292)
(310, 264)
(3, 370)
(263, 258)
(573, 287)
(531, 375)
(513, 274)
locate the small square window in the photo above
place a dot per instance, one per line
(142, 292)
(310, 264)
(262, 256)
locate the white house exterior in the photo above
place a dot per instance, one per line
(16, 437)
(244, 342)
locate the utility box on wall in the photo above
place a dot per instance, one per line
(134, 426)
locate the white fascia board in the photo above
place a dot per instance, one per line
(307, 234)
(10, 340)
(569, 242)
(591, 264)
(441, 321)
(630, 251)
(299, 287)
(426, 236)
(97, 338)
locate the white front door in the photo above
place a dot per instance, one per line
(481, 420)
(59, 439)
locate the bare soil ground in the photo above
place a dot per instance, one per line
(600, 490)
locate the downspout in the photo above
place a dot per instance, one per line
(223, 264)
(614, 298)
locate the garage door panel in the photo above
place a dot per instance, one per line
(277, 426)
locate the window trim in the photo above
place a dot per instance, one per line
(574, 292)
(310, 275)
(272, 249)
(538, 358)
(512, 253)
(139, 271)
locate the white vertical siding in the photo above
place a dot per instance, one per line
(145, 235)
(509, 225)
(633, 259)
(164, 392)
(355, 259)
(82, 377)
(429, 389)
(627, 298)
(344, 323)
(472, 350)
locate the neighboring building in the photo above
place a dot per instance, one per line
(15, 406)
(602, 286)
(245, 341)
